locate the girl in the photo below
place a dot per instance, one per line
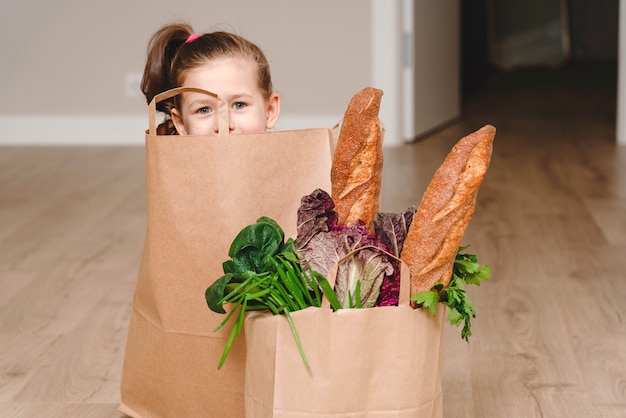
(223, 63)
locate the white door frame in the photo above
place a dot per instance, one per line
(388, 25)
(394, 50)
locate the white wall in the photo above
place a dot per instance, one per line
(64, 65)
(69, 70)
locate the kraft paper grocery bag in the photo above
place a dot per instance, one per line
(370, 362)
(201, 191)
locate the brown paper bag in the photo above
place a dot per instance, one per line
(201, 191)
(372, 362)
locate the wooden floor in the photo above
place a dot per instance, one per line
(550, 336)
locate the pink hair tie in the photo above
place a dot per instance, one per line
(192, 37)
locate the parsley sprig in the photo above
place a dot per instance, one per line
(466, 270)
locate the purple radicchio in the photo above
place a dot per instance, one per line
(391, 229)
(321, 243)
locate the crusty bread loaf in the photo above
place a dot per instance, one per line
(356, 171)
(445, 211)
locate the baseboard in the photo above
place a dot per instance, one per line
(110, 129)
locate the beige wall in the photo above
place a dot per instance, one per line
(71, 57)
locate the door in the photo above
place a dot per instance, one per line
(416, 62)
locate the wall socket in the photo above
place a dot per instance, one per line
(132, 85)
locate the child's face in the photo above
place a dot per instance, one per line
(235, 81)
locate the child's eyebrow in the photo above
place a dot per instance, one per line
(237, 96)
(204, 101)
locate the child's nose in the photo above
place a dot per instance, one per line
(216, 126)
(231, 123)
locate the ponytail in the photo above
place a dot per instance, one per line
(162, 49)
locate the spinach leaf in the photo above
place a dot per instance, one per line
(253, 243)
(215, 293)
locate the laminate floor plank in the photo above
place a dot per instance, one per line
(59, 410)
(68, 259)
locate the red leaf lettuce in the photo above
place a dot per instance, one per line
(321, 243)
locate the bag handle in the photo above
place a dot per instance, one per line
(403, 297)
(222, 107)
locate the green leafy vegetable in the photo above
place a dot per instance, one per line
(264, 273)
(466, 270)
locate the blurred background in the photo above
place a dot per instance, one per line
(70, 69)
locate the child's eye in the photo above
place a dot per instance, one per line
(239, 105)
(204, 110)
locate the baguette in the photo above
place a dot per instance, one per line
(445, 211)
(356, 171)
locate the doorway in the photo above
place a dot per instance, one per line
(591, 65)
